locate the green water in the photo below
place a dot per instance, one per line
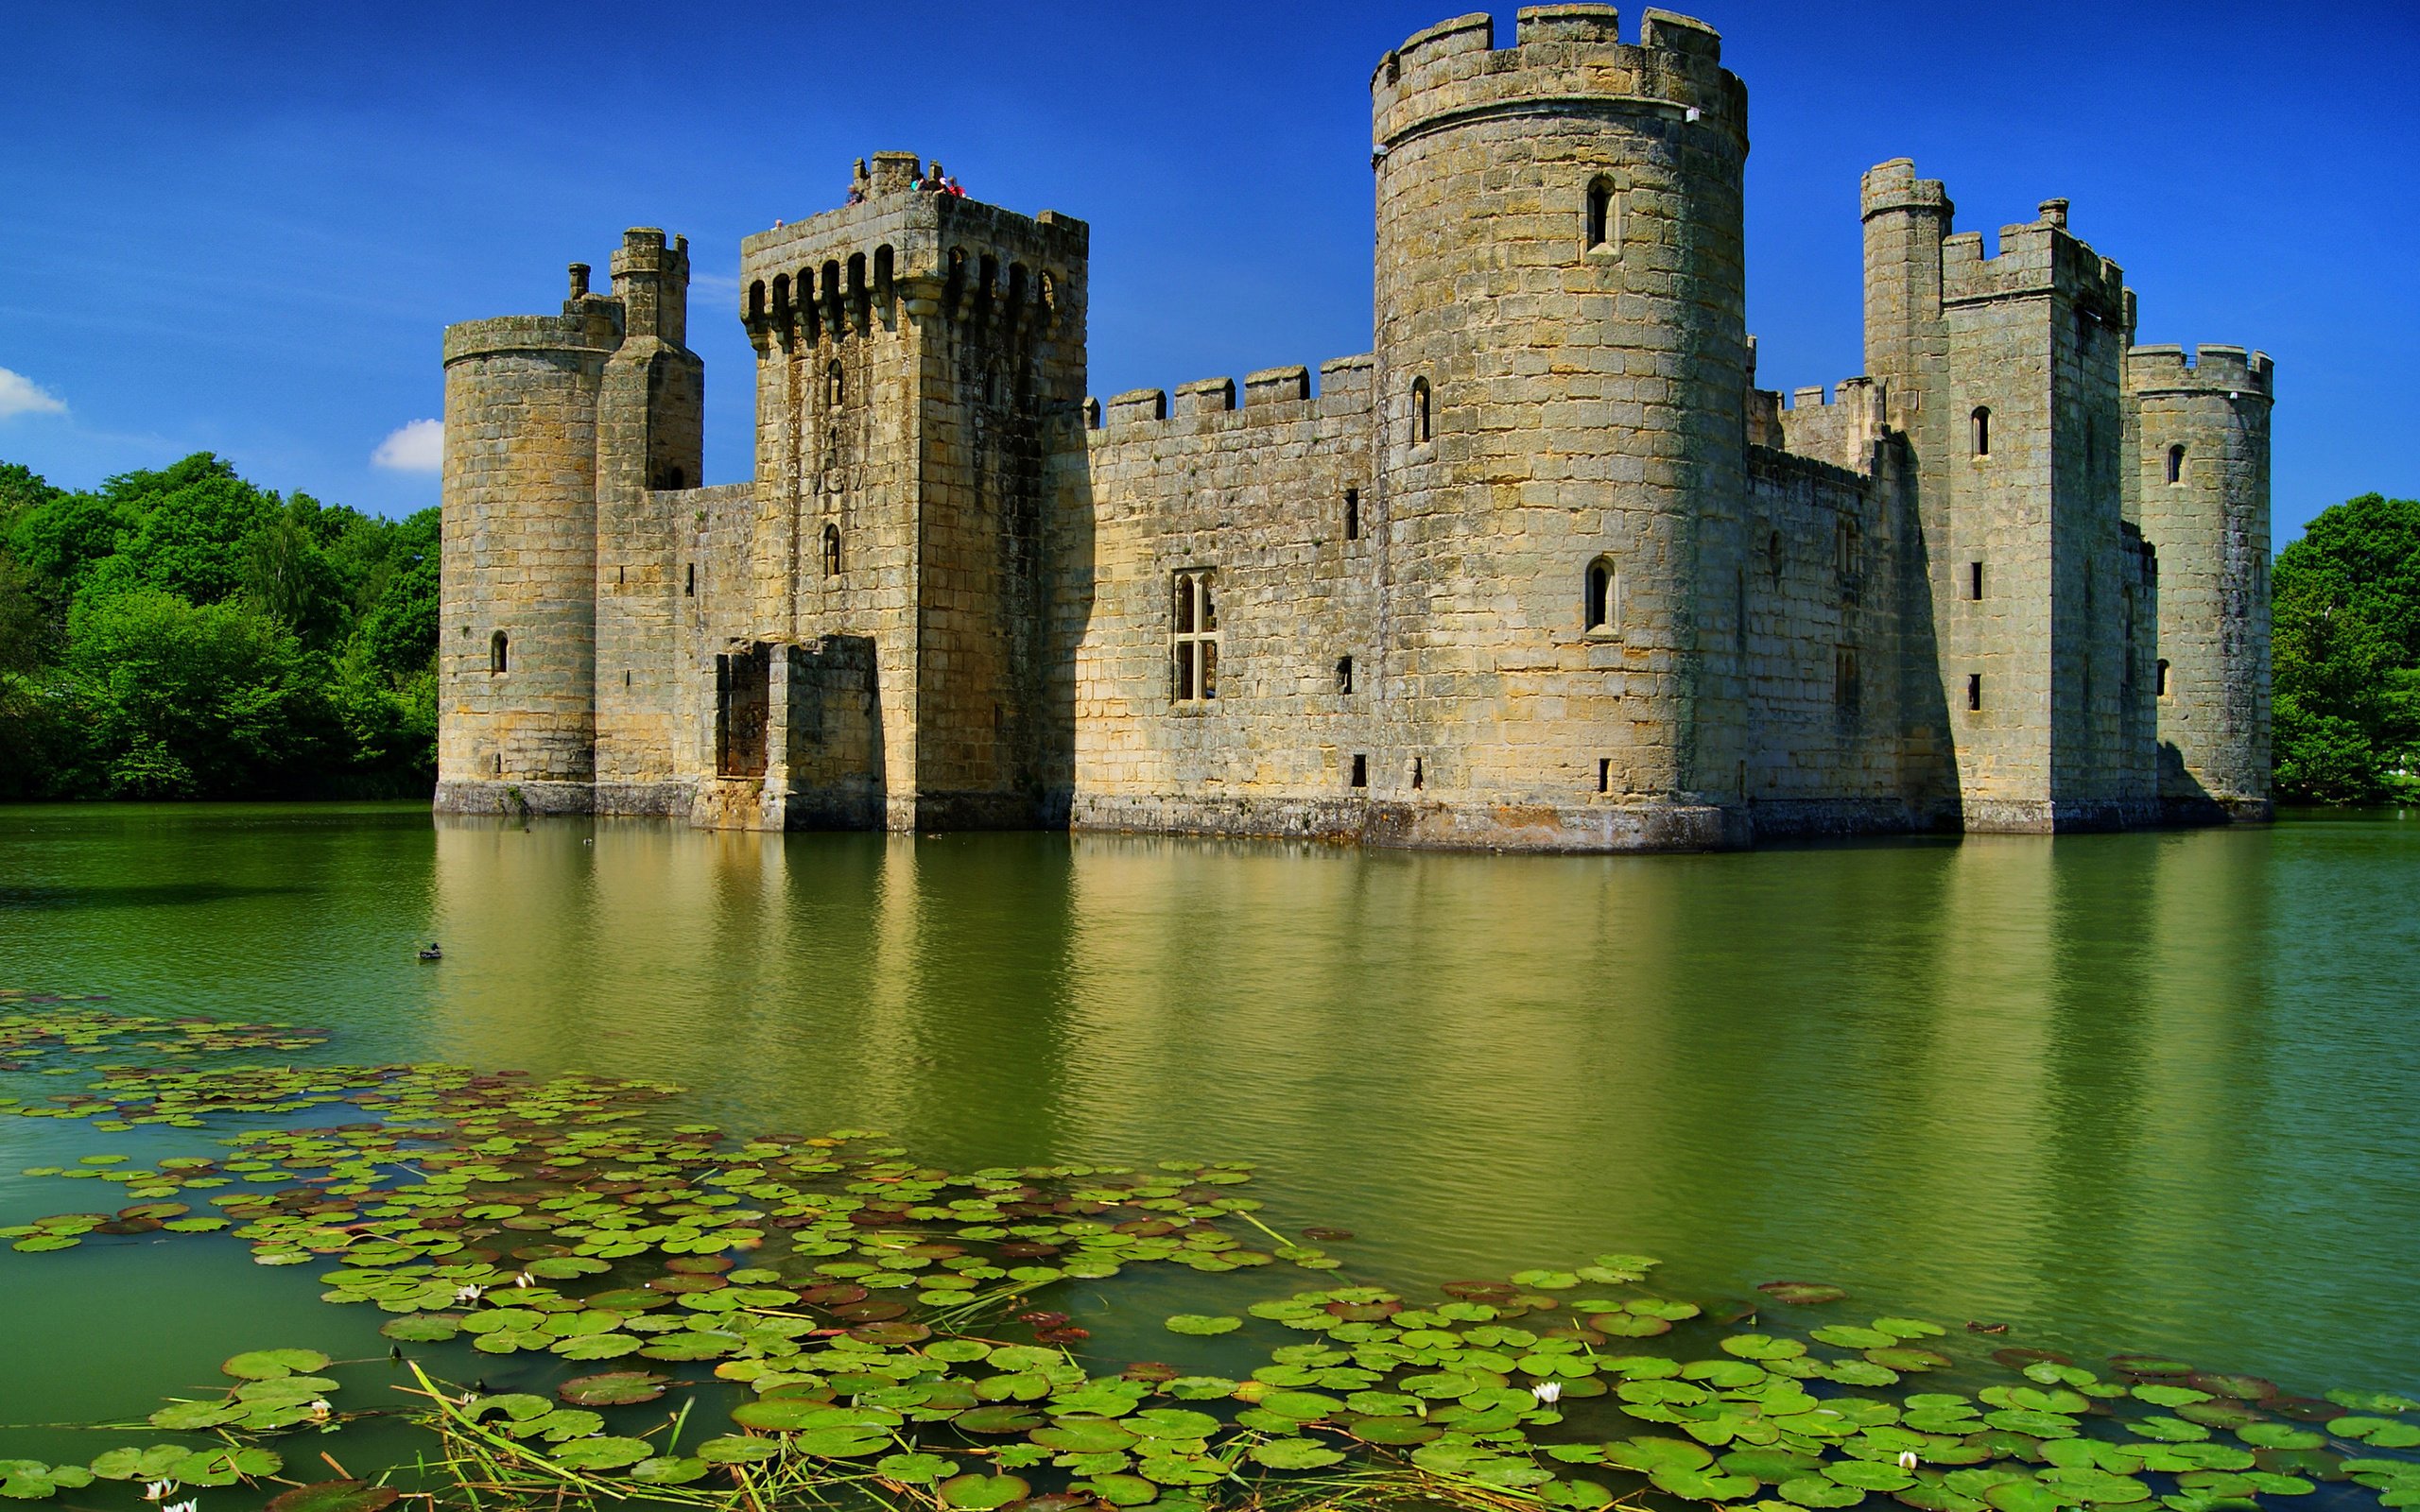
(2156, 1093)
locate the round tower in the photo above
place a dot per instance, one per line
(2201, 490)
(516, 651)
(1562, 378)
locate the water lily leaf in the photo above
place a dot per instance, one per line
(2373, 1402)
(1120, 1490)
(1867, 1475)
(1907, 1357)
(2149, 1365)
(1850, 1336)
(2240, 1388)
(1647, 1455)
(981, 1493)
(1772, 1465)
(1803, 1293)
(2169, 1430)
(1760, 1346)
(1302, 1405)
(998, 1418)
(1294, 1455)
(188, 1416)
(1395, 1431)
(335, 1496)
(1171, 1423)
(603, 1453)
(613, 1388)
(1820, 1492)
(2279, 1436)
(2022, 1496)
(1199, 1324)
(1083, 1436)
(263, 1364)
(734, 1450)
(421, 1327)
(670, 1470)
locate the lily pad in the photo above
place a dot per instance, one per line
(1294, 1455)
(1803, 1293)
(1202, 1324)
(613, 1388)
(335, 1496)
(982, 1493)
(265, 1364)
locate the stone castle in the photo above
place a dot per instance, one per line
(1545, 570)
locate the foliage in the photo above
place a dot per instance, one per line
(2346, 647)
(185, 633)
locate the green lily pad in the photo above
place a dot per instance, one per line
(2022, 1496)
(1120, 1490)
(1803, 1293)
(613, 1388)
(264, 1365)
(1393, 1431)
(734, 1450)
(665, 1469)
(1294, 1455)
(1083, 1436)
(915, 1468)
(1819, 1493)
(998, 1418)
(1197, 1323)
(982, 1493)
(335, 1496)
(1171, 1423)
(602, 1453)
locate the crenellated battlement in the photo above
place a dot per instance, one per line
(1570, 57)
(1269, 396)
(2038, 257)
(1841, 428)
(2214, 369)
(1893, 185)
(943, 254)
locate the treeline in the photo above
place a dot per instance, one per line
(184, 634)
(2345, 647)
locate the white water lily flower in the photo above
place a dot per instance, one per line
(468, 1294)
(1547, 1392)
(153, 1490)
(187, 1505)
(525, 1278)
(321, 1407)
(1907, 1459)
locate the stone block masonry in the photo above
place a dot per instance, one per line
(1543, 570)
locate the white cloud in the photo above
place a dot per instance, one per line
(21, 395)
(419, 447)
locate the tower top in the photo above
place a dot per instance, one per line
(1571, 56)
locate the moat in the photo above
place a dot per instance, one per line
(2148, 1091)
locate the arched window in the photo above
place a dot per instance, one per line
(2162, 686)
(1352, 514)
(1420, 427)
(756, 301)
(1345, 673)
(831, 551)
(2176, 464)
(1980, 428)
(1601, 213)
(1602, 598)
(833, 386)
(499, 654)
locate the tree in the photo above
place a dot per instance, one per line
(195, 700)
(2345, 643)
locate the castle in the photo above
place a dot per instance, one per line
(1545, 570)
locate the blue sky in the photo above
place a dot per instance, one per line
(240, 228)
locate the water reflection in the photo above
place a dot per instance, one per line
(2142, 1091)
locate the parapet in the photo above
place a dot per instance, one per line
(1841, 430)
(1893, 185)
(2040, 257)
(1272, 396)
(2215, 369)
(590, 323)
(1569, 57)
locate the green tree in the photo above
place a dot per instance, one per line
(2345, 643)
(195, 700)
